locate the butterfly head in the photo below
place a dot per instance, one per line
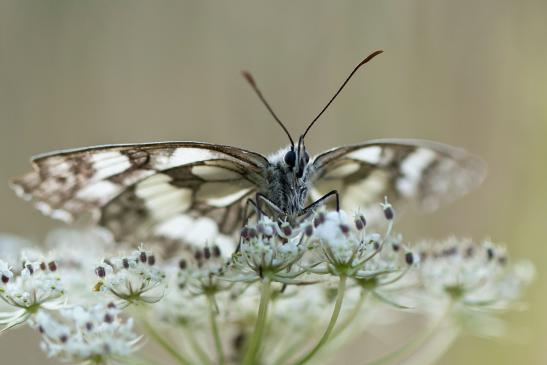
(297, 158)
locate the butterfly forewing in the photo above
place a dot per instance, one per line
(416, 172)
(133, 187)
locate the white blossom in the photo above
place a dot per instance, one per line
(88, 335)
(37, 286)
(132, 279)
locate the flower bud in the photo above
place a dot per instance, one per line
(52, 265)
(100, 271)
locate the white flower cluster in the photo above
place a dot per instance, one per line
(346, 249)
(318, 280)
(203, 273)
(269, 248)
(87, 335)
(472, 274)
(132, 279)
(36, 286)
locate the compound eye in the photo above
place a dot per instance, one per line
(290, 158)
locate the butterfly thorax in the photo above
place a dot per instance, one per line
(284, 187)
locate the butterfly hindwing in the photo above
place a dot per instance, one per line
(128, 187)
(416, 172)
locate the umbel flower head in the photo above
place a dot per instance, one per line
(203, 272)
(271, 249)
(36, 286)
(132, 279)
(478, 275)
(345, 247)
(92, 335)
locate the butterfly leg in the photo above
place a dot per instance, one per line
(310, 208)
(251, 204)
(263, 198)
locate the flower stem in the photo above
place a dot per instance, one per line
(214, 328)
(412, 345)
(254, 345)
(332, 322)
(181, 359)
(196, 347)
(350, 318)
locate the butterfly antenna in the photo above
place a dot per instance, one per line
(368, 58)
(252, 82)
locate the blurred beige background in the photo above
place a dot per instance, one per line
(468, 73)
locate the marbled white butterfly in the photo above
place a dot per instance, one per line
(136, 189)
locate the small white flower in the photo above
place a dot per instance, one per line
(347, 249)
(204, 272)
(89, 335)
(35, 287)
(133, 278)
(477, 275)
(269, 249)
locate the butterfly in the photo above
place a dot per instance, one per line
(136, 190)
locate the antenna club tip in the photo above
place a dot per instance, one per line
(247, 75)
(371, 56)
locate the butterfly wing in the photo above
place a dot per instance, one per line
(132, 188)
(409, 172)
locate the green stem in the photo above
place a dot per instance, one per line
(254, 345)
(350, 318)
(412, 345)
(181, 359)
(196, 347)
(332, 322)
(214, 328)
(291, 350)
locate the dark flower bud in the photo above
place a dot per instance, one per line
(89, 326)
(125, 263)
(388, 212)
(469, 251)
(151, 260)
(216, 251)
(359, 224)
(43, 266)
(245, 233)
(344, 229)
(63, 338)
(5, 279)
(111, 305)
(108, 318)
(319, 219)
(207, 253)
(252, 233)
(409, 258)
(198, 255)
(100, 271)
(52, 265)
(287, 230)
(308, 230)
(143, 257)
(451, 251)
(183, 264)
(490, 253)
(30, 269)
(396, 247)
